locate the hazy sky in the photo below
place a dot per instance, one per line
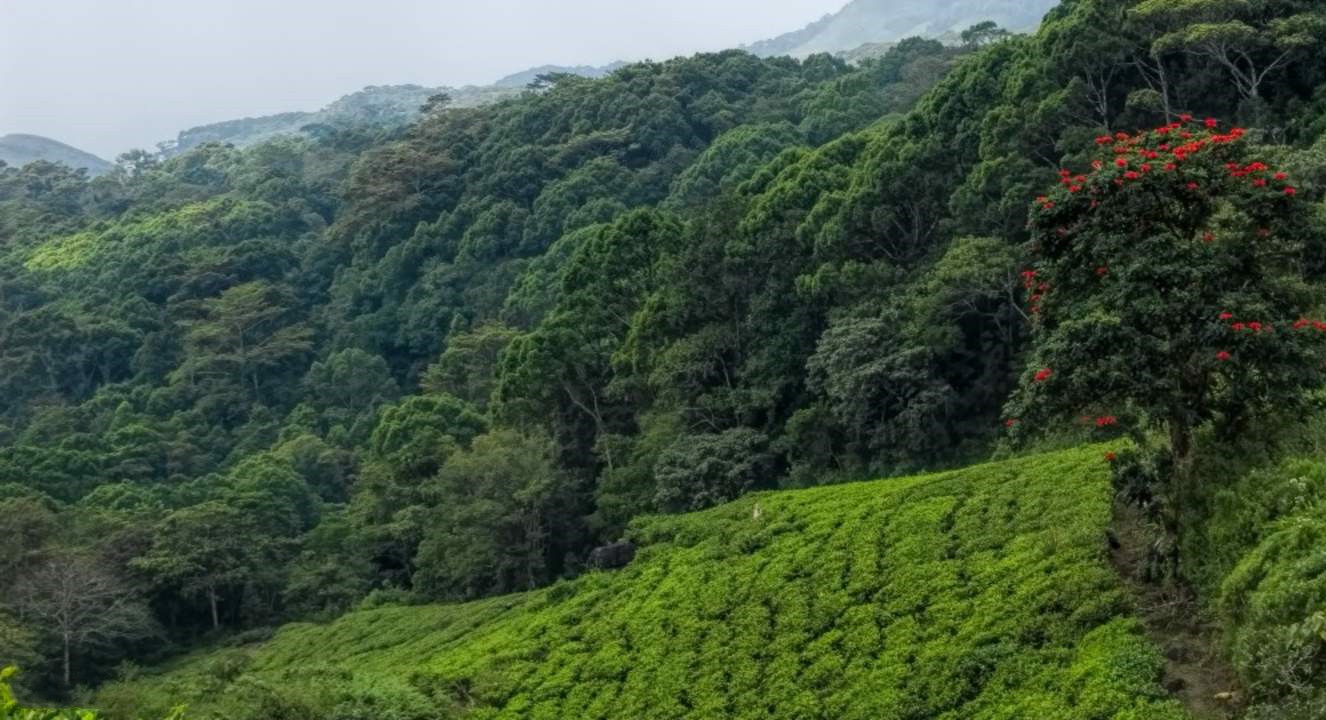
(107, 75)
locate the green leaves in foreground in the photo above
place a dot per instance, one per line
(9, 709)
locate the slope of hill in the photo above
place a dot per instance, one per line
(981, 593)
(881, 21)
(519, 80)
(386, 106)
(18, 150)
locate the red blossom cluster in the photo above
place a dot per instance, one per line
(1150, 154)
(1111, 457)
(1258, 172)
(1257, 327)
(1172, 154)
(1035, 290)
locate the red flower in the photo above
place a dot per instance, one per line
(1291, 192)
(1212, 123)
(1044, 374)
(1121, 162)
(1282, 176)
(1226, 316)
(1185, 118)
(1104, 140)
(1223, 356)
(1238, 327)
(1255, 326)
(1110, 457)
(1010, 422)
(1208, 237)
(1171, 167)
(1259, 182)
(1132, 175)
(1102, 271)
(1106, 421)
(1192, 186)
(1302, 323)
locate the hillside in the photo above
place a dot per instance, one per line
(978, 594)
(519, 80)
(863, 22)
(379, 107)
(17, 150)
(243, 387)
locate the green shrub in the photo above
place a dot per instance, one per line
(982, 594)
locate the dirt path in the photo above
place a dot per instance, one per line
(1196, 672)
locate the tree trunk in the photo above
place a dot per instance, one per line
(1180, 482)
(68, 676)
(211, 597)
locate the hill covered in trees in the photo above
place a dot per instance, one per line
(374, 366)
(18, 150)
(867, 22)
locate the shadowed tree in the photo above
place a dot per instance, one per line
(74, 599)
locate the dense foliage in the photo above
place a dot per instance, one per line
(979, 594)
(377, 365)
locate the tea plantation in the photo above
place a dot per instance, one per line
(981, 594)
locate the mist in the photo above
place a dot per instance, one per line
(108, 75)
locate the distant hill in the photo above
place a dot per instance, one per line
(525, 77)
(385, 105)
(863, 22)
(380, 105)
(19, 149)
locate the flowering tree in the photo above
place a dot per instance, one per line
(1168, 290)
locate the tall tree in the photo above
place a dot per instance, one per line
(1235, 34)
(1169, 287)
(242, 334)
(73, 598)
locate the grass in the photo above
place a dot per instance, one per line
(981, 594)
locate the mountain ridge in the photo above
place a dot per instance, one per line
(863, 22)
(19, 149)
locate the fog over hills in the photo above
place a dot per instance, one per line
(881, 21)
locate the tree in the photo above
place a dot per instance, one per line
(501, 519)
(202, 551)
(244, 333)
(982, 34)
(1231, 34)
(74, 598)
(705, 470)
(467, 367)
(1169, 291)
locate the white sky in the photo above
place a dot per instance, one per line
(107, 75)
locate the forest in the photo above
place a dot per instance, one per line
(377, 368)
